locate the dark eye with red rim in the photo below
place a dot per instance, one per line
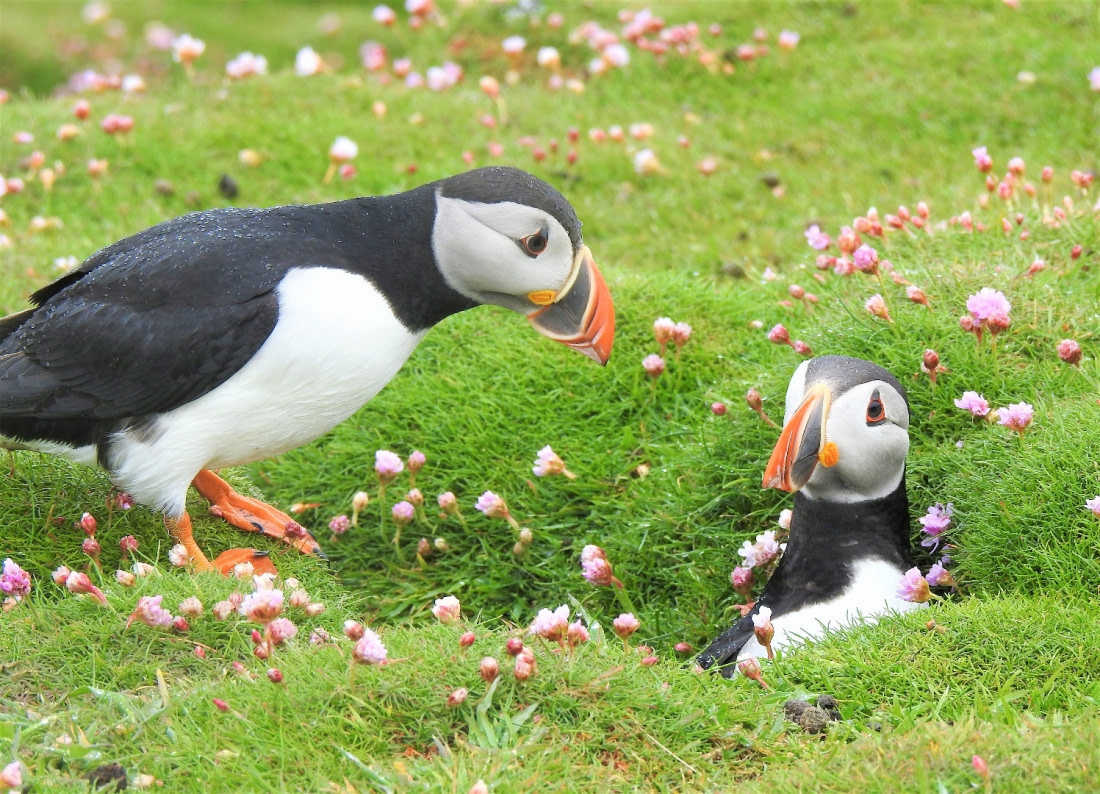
(876, 412)
(535, 244)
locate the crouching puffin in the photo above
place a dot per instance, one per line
(842, 451)
(231, 335)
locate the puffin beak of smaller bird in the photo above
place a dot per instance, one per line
(802, 444)
(581, 314)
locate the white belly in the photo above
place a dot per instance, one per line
(336, 344)
(871, 595)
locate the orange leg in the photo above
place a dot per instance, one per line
(251, 515)
(180, 530)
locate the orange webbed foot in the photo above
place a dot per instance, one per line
(252, 515)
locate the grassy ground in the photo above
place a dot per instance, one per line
(878, 106)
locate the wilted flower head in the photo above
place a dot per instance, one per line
(551, 625)
(447, 609)
(369, 649)
(914, 587)
(1016, 416)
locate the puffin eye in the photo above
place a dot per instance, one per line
(535, 244)
(876, 412)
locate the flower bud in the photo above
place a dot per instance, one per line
(275, 675)
(489, 668)
(458, 697)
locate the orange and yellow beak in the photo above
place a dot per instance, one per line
(802, 444)
(581, 314)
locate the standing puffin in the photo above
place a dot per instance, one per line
(231, 335)
(842, 451)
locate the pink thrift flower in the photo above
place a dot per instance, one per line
(1016, 416)
(448, 503)
(596, 568)
(935, 523)
(816, 238)
(876, 305)
(179, 556)
(982, 161)
(681, 333)
(489, 669)
(339, 525)
(973, 402)
(576, 634)
(262, 606)
(403, 513)
(79, 583)
(916, 294)
(1093, 504)
(988, 304)
(939, 576)
(865, 258)
(788, 40)
(191, 607)
(785, 517)
(551, 625)
(369, 649)
(128, 544)
(662, 331)
(416, 461)
(447, 610)
(492, 506)
(654, 365)
(914, 587)
(779, 335)
(1069, 351)
(281, 629)
(762, 552)
(387, 466)
(11, 777)
(186, 48)
(150, 612)
(14, 581)
(802, 348)
(718, 408)
(548, 462)
(1094, 79)
(625, 624)
(88, 524)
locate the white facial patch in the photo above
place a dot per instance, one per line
(477, 251)
(871, 458)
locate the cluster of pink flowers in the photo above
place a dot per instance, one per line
(936, 522)
(987, 309)
(15, 584)
(763, 552)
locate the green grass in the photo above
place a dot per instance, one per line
(879, 105)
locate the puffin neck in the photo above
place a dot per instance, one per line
(872, 528)
(388, 239)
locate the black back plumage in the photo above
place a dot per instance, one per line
(167, 315)
(826, 540)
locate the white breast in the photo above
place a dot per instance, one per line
(336, 344)
(871, 595)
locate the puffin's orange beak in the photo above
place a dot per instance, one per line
(802, 444)
(582, 314)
